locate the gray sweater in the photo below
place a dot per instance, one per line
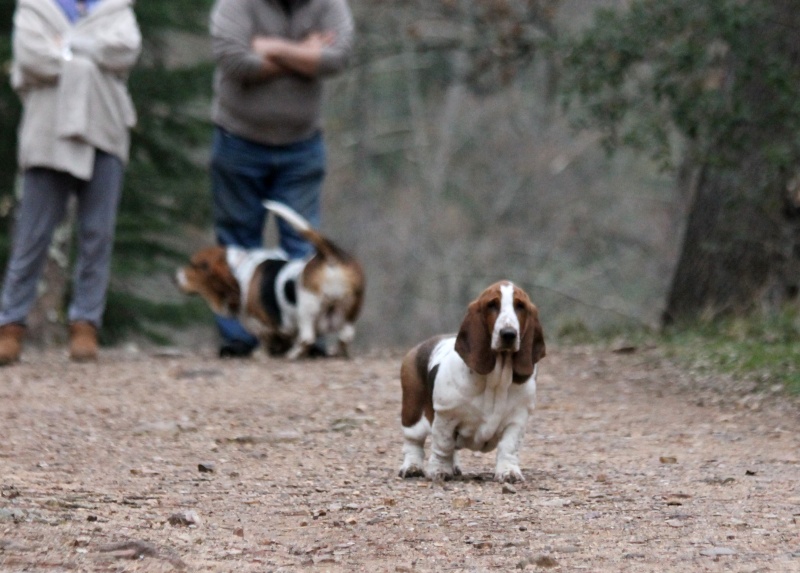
(279, 110)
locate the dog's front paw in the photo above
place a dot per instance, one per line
(439, 475)
(439, 471)
(508, 474)
(297, 352)
(411, 471)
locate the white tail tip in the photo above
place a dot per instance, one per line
(291, 216)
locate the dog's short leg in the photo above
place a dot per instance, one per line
(347, 333)
(414, 449)
(297, 351)
(344, 336)
(507, 464)
(441, 464)
(308, 308)
(456, 466)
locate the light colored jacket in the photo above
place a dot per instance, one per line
(71, 79)
(279, 110)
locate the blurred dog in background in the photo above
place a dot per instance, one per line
(290, 304)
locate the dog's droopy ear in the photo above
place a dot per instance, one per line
(209, 275)
(225, 282)
(532, 347)
(473, 343)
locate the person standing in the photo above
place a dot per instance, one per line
(271, 59)
(70, 66)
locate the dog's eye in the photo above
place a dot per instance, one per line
(519, 305)
(493, 304)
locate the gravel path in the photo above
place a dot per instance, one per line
(148, 462)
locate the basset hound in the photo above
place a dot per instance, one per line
(287, 303)
(474, 390)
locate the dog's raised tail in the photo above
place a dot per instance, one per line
(324, 246)
(289, 215)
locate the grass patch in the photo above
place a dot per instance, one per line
(762, 348)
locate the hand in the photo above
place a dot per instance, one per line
(267, 46)
(319, 40)
(285, 56)
(270, 46)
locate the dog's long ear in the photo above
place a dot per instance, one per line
(474, 340)
(531, 346)
(225, 284)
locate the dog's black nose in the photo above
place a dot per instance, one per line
(508, 335)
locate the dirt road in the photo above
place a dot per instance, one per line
(183, 462)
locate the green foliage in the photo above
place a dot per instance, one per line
(165, 181)
(127, 315)
(763, 348)
(576, 332)
(184, 15)
(166, 185)
(9, 118)
(173, 122)
(715, 71)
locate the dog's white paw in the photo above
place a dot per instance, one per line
(411, 470)
(296, 352)
(440, 471)
(508, 474)
(439, 475)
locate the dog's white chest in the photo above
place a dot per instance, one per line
(484, 419)
(483, 406)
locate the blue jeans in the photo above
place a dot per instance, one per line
(243, 175)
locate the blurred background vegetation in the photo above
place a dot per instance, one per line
(632, 164)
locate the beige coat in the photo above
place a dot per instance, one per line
(72, 82)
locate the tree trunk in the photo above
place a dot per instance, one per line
(741, 249)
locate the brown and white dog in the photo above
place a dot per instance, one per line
(288, 303)
(474, 390)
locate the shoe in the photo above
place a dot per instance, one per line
(82, 341)
(235, 349)
(11, 336)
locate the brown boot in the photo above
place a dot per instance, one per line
(11, 336)
(82, 341)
